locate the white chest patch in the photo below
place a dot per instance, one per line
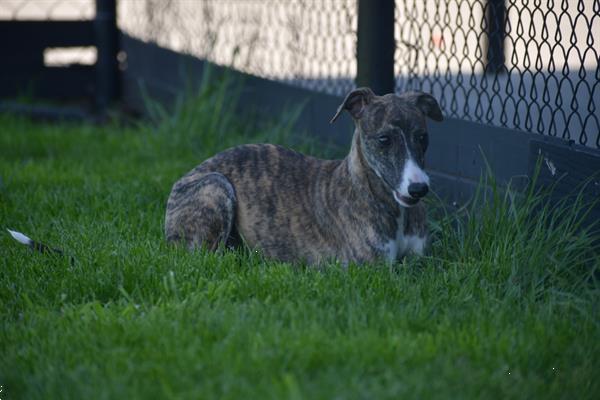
(402, 244)
(415, 244)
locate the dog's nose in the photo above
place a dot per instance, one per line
(418, 190)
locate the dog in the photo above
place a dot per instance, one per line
(294, 207)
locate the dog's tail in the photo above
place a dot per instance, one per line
(37, 246)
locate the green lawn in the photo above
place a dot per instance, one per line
(505, 305)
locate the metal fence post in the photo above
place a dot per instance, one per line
(376, 45)
(107, 37)
(496, 10)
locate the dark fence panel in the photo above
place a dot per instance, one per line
(24, 42)
(24, 72)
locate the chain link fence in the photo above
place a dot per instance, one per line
(545, 80)
(548, 82)
(529, 65)
(307, 43)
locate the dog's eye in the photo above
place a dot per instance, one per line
(384, 139)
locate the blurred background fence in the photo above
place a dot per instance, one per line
(311, 44)
(529, 65)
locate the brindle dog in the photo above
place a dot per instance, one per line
(294, 207)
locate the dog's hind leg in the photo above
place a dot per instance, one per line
(201, 210)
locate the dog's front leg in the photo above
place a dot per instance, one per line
(415, 229)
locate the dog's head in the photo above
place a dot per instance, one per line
(392, 136)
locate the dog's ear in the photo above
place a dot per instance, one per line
(355, 102)
(426, 103)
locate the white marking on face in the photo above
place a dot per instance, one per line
(412, 174)
(19, 237)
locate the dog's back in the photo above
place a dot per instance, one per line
(273, 192)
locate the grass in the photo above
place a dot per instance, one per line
(505, 305)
